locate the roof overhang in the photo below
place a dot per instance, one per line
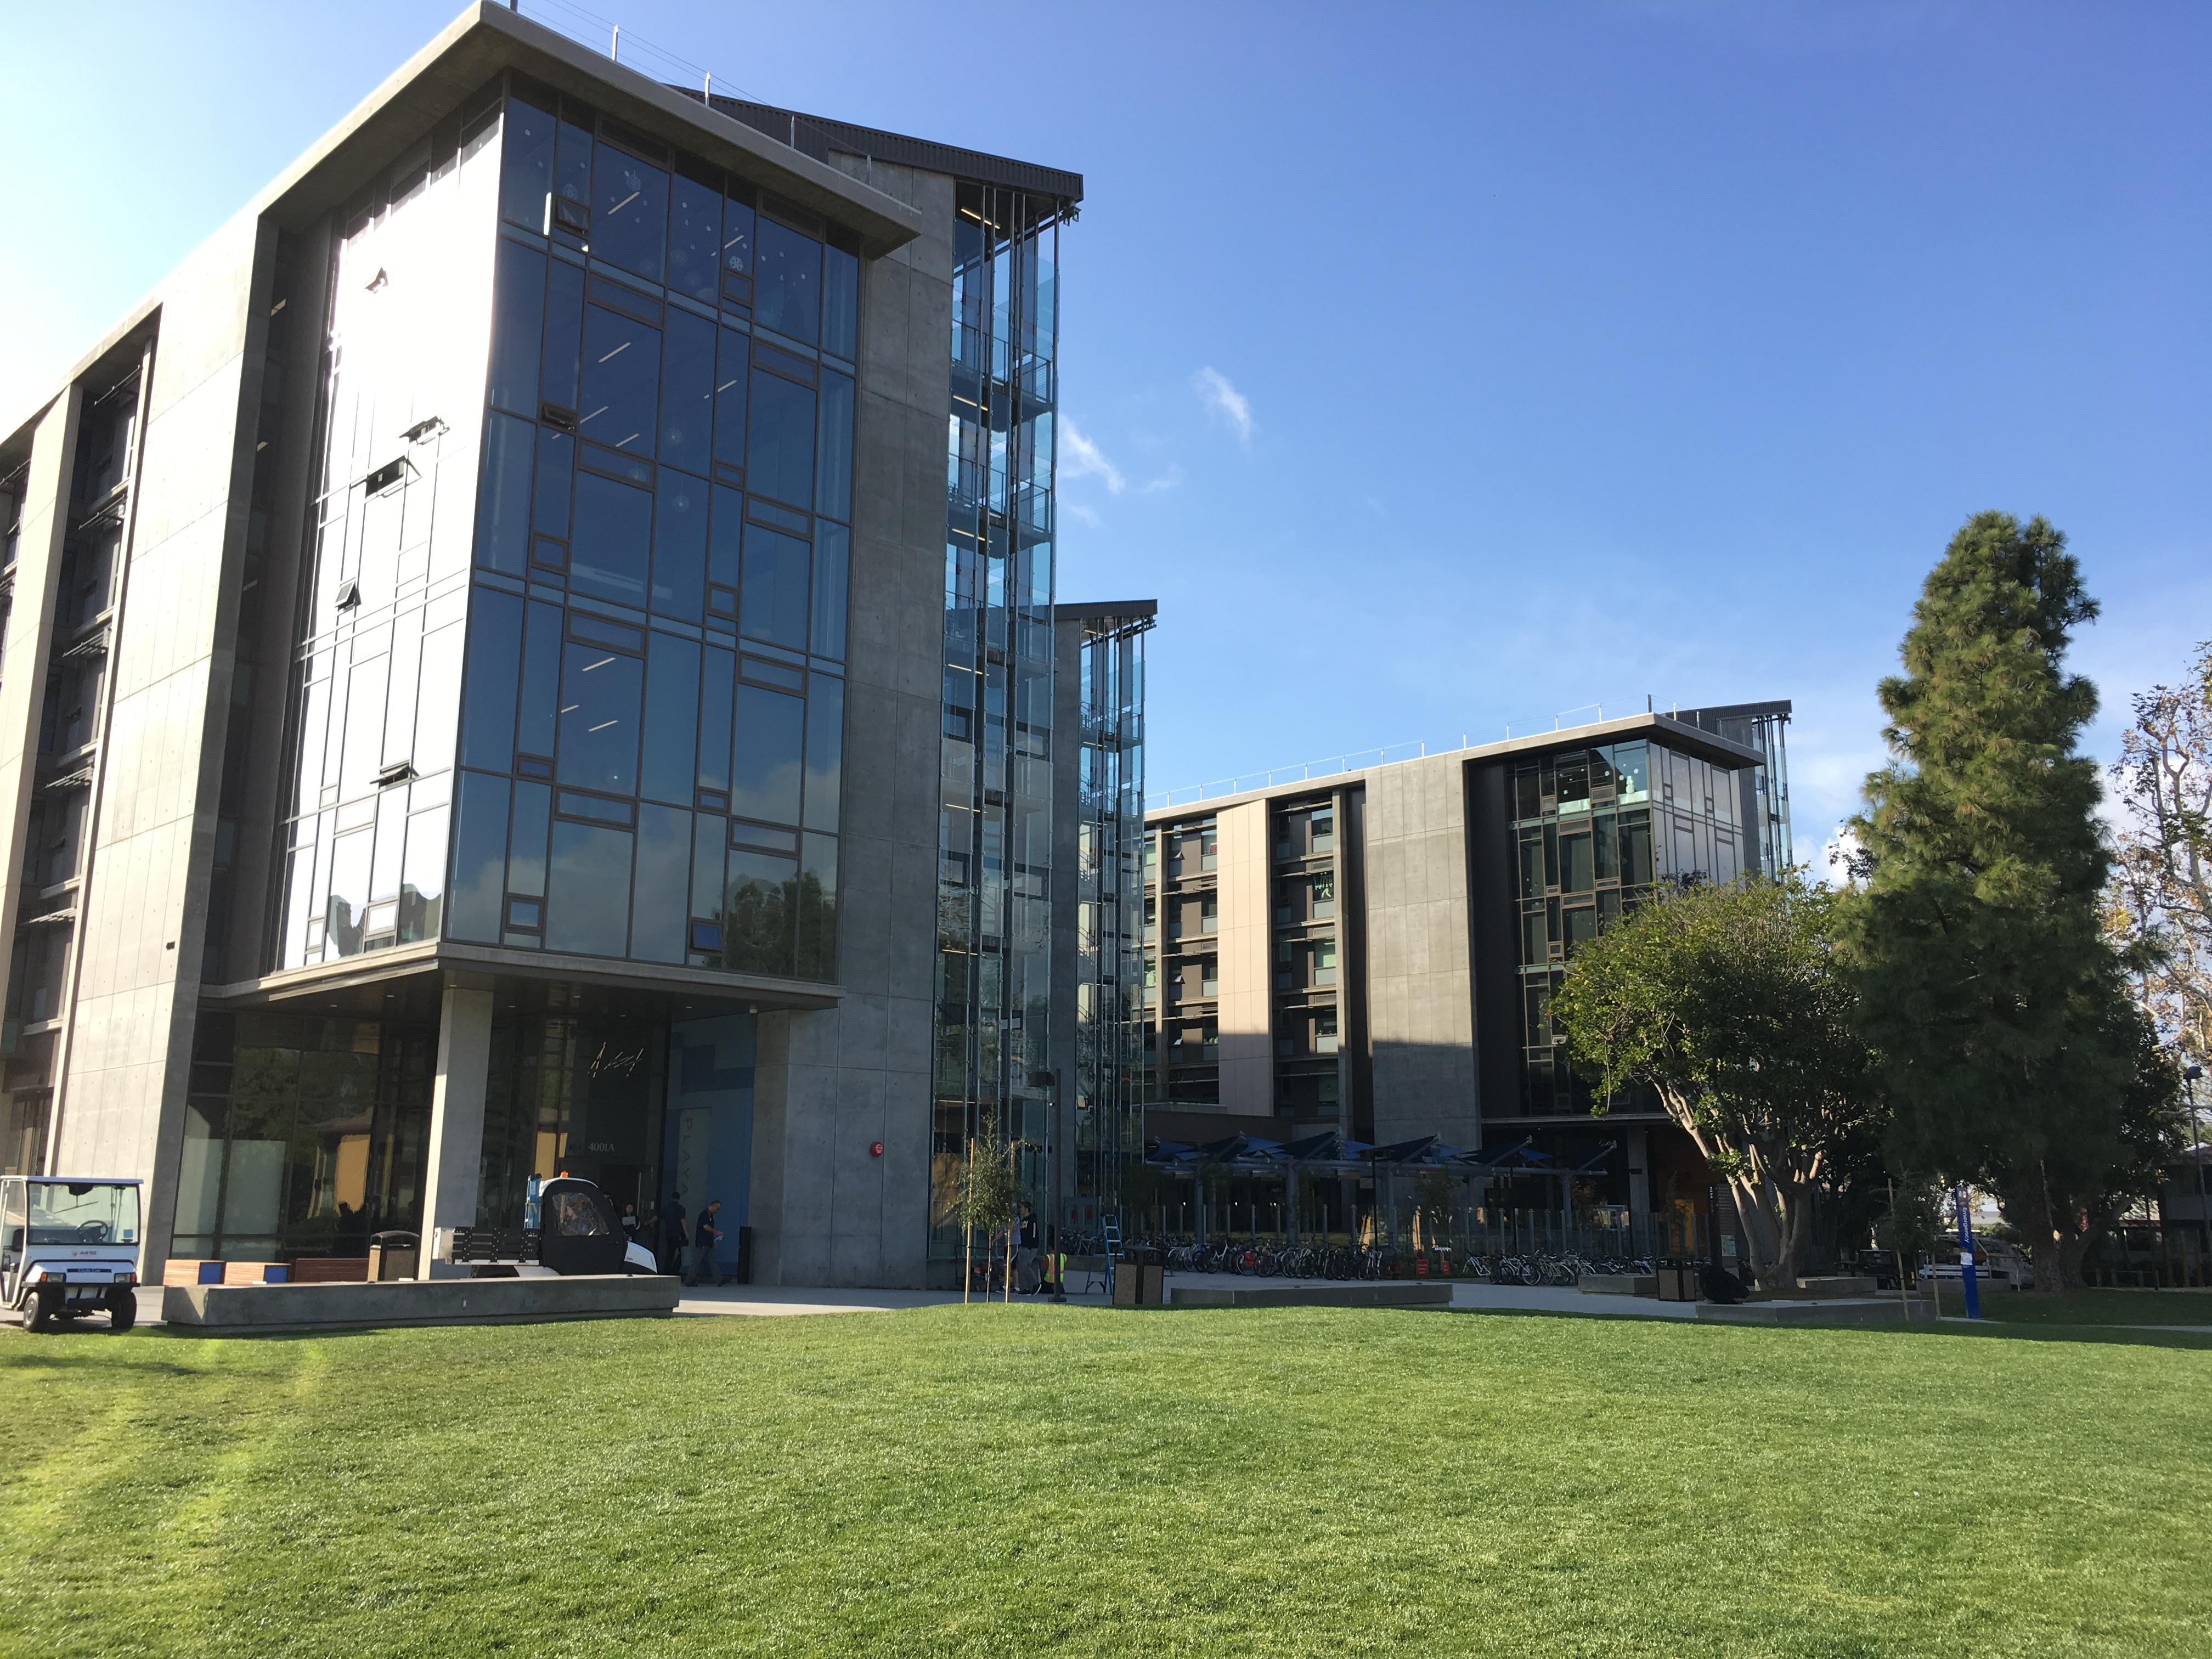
(487, 39)
(485, 962)
(1657, 728)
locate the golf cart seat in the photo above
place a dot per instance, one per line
(578, 1231)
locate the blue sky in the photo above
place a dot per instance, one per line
(1436, 368)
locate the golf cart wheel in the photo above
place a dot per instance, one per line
(42, 1312)
(121, 1309)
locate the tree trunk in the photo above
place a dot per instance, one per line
(967, 1264)
(2027, 1207)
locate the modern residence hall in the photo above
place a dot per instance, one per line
(506, 671)
(1370, 954)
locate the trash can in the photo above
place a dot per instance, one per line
(392, 1256)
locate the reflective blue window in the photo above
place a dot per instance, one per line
(831, 557)
(687, 391)
(817, 910)
(730, 397)
(825, 743)
(680, 546)
(613, 533)
(787, 284)
(527, 165)
(487, 697)
(715, 693)
(710, 847)
(765, 762)
(572, 182)
(737, 237)
(695, 239)
(518, 323)
(661, 914)
(780, 458)
(621, 405)
(503, 494)
(775, 587)
(629, 219)
(587, 897)
(671, 719)
(564, 329)
(541, 682)
(833, 492)
(599, 695)
(525, 856)
(478, 890)
(757, 914)
(557, 469)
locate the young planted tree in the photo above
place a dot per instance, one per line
(1725, 1003)
(983, 1198)
(2011, 1052)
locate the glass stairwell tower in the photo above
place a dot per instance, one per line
(992, 1066)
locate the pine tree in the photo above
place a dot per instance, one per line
(2009, 1049)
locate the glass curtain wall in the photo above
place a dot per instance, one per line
(1769, 830)
(1595, 829)
(377, 666)
(303, 1135)
(647, 758)
(1109, 898)
(994, 906)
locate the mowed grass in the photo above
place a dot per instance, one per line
(994, 1480)
(2151, 1307)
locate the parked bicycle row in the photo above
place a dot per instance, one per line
(1341, 1261)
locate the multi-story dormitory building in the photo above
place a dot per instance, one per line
(1374, 952)
(503, 674)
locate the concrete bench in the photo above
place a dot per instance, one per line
(1332, 1295)
(1618, 1284)
(245, 1309)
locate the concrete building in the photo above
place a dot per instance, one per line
(495, 681)
(1373, 952)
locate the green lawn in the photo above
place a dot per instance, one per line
(994, 1480)
(2089, 1307)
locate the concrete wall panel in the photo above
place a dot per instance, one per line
(825, 1211)
(1420, 976)
(1247, 1052)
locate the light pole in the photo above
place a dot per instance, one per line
(2189, 1076)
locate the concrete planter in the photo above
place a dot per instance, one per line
(243, 1309)
(1618, 1284)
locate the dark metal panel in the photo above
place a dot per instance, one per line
(811, 135)
(1493, 957)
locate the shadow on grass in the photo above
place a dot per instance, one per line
(1979, 1331)
(48, 1354)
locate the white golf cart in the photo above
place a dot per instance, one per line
(69, 1248)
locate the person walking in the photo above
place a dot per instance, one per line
(629, 1223)
(1025, 1250)
(707, 1235)
(672, 1239)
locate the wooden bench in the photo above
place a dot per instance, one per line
(330, 1270)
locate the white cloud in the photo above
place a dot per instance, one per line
(1225, 400)
(1081, 458)
(1087, 514)
(1167, 480)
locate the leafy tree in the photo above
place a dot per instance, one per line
(2162, 876)
(1725, 1003)
(1912, 1222)
(983, 1197)
(2007, 1045)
